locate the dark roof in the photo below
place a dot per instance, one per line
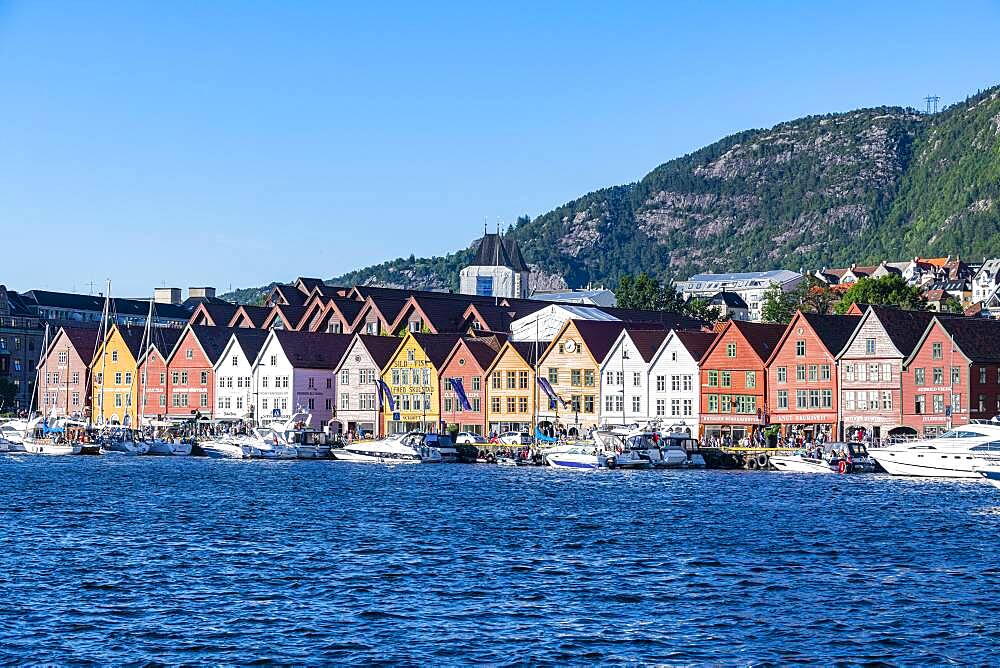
(762, 337)
(192, 302)
(497, 251)
(95, 304)
(598, 336)
(730, 299)
(290, 294)
(976, 337)
(164, 339)
(19, 306)
(348, 307)
(212, 340)
(381, 348)
(133, 339)
(484, 349)
(257, 314)
(437, 346)
(309, 283)
(529, 350)
(83, 340)
(696, 343)
(292, 314)
(313, 350)
(250, 340)
(220, 313)
(666, 319)
(388, 307)
(445, 315)
(833, 330)
(903, 327)
(647, 341)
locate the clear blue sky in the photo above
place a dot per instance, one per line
(235, 143)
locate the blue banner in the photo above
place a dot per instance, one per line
(385, 394)
(550, 393)
(463, 400)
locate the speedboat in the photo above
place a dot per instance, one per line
(829, 458)
(990, 473)
(223, 448)
(957, 453)
(434, 448)
(576, 457)
(391, 450)
(627, 447)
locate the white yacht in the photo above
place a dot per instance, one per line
(395, 449)
(828, 458)
(224, 448)
(991, 472)
(576, 457)
(957, 453)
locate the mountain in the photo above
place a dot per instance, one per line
(819, 191)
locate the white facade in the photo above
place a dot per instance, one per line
(624, 385)
(986, 280)
(545, 324)
(750, 286)
(674, 397)
(234, 383)
(283, 389)
(493, 281)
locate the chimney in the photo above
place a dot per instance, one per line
(167, 295)
(201, 293)
(853, 265)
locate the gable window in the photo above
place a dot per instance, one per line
(274, 360)
(114, 355)
(936, 352)
(869, 346)
(800, 348)
(713, 378)
(189, 354)
(236, 360)
(730, 350)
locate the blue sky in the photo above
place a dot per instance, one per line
(234, 143)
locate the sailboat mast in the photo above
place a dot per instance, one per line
(147, 344)
(44, 359)
(104, 349)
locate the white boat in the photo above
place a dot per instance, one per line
(576, 457)
(990, 474)
(123, 441)
(799, 463)
(828, 458)
(627, 447)
(391, 450)
(957, 453)
(223, 449)
(13, 431)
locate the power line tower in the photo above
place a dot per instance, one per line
(932, 103)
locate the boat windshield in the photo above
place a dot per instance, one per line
(960, 433)
(640, 442)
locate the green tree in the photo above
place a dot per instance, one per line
(778, 306)
(951, 304)
(700, 308)
(811, 295)
(648, 294)
(889, 290)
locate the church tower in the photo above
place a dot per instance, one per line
(498, 270)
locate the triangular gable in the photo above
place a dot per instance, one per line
(399, 349)
(201, 316)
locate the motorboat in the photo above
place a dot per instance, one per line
(122, 441)
(676, 444)
(13, 431)
(266, 443)
(991, 472)
(627, 447)
(163, 448)
(434, 448)
(223, 448)
(576, 457)
(827, 458)
(957, 453)
(296, 433)
(390, 450)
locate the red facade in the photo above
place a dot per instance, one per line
(734, 379)
(190, 379)
(153, 385)
(467, 362)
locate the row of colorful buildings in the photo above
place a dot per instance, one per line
(497, 365)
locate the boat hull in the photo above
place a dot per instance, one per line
(794, 464)
(928, 465)
(990, 474)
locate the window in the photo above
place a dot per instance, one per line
(512, 405)
(869, 346)
(920, 404)
(114, 355)
(938, 403)
(236, 360)
(189, 354)
(813, 373)
(730, 350)
(801, 399)
(751, 379)
(886, 371)
(675, 383)
(511, 380)
(495, 380)
(813, 398)
(982, 374)
(76, 398)
(727, 379)
(345, 376)
(588, 377)
(782, 374)
(62, 355)
(982, 402)
(800, 372)
(636, 404)
(713, 403)
(800, 348)
(118, 401)
(204, 400)
(118, 377)
(956, 403)
(128, 377)
(329, 383)
(204, 378)
(263, 404)
(956, 375)
(264, 381)
(849, 401)
(163, 378)
(274, 360)
(609, 378)
(484, 286)
(824, 372)
(688, 408)
(919, 376)
(725, 403)
(782, 398)
(687, 382)
(476, 381)
(284, 381)
(675, 408)
(447, 404)
(366, 402)
(229, 382)
(574, 377)
(522, 404)
(713, 378)
(553, 375)
(936, 351)
(886, 400)
(636, 379)
(661, 383)
(938, 375)
(660, 407)
(495, 404)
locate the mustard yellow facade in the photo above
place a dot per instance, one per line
(114, 378)
(511, 392)
(414, 382)
(575, 377)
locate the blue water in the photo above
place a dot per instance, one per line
(116, 559)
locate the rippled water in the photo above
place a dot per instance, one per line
(116, 559)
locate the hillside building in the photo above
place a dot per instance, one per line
(497, 271)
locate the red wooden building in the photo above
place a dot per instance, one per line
(734, 379)
(953, 375)
(190, 375)
(468, 361)
(802, 375)
(153, 373)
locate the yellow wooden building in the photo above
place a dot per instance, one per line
(511, 390)
(114, 377)
(413, 377)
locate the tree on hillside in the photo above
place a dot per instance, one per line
(889, 290)
(811, 295)
(951, 304)
(648, 294)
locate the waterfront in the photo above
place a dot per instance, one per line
(117, 559)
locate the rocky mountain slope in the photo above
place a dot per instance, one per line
(817, 191)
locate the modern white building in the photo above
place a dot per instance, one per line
(294, 371)
(624, 383)
(675, 389)
(235, 383)
(986, 281)
(583, 296)
(750, 286)
(498, 270)
(545, 324)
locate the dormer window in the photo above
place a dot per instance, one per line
(274, 360)
(114, 355)
(189, 354)
(410, 356)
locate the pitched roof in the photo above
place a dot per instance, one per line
(665, 319)
(290, 294)
(19, 306)
(444, 315)
(291, 315)
(976, 337)
(348, 307)
(132, 336)
(530, 351)
(437, 347)
(256, 314)
(730, 299)
(598, 336)
(83, 340)
(212, 340)
(163, 339)
(696, 343)
(833, 330)
(250, 340)
(313, 350)
(762, 337)
(647, 341)
(309, 284)
(497, 251)
(903, 327)
(220, 313)
(381, 348)
(95, 304)
(484, 349)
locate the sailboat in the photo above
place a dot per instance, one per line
(155, 446)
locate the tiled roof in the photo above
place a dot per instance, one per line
(599, 336)
(529, 350)
(976, 337)
(903, 327)
(647, 341)
(132, 336)
(665, 319)
(250, 340)
(833, 330)
(310, 283)
(163, 339)
(95, 304)
(212, 340)
(257, 314)
(696, 343)
(444, 315)
(484, 349)
(220, 313)
(292, 315)
(348, 307)
(290, 294)
(313, 350)
(381, 348)
(762, 337)
(730, 299)
(83, 340)
(437, 346)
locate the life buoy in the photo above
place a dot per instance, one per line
(842, 466)
(762, 461)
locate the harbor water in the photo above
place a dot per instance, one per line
(117, 559)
